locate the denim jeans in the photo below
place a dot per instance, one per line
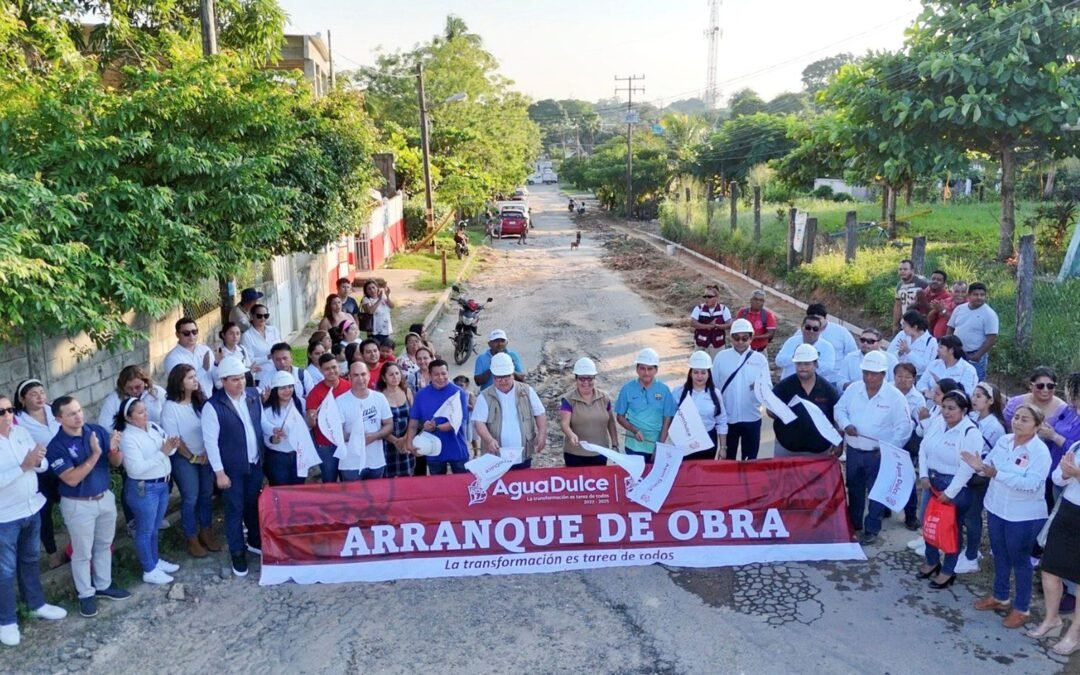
(242, 508)
(148, 503)
(911, 510)
(580, 460)
(862, 470)
(329, 467)
(438, 467)
(281, 468)
(749, 434)
(980, 365)
(647, 455)
(962, 501)
(196, 485)
(352, 475)
(19, 552)
(973, 523)
(1011, 544)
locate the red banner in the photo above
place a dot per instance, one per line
(548, 520)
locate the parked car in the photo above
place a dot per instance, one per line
(514, 223)
(519, 207)
(549, 176)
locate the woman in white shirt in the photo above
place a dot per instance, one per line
(315, 349)
(949, 363)
(261, 337)
(181, 418)
(377, 302)
(32, 414)
(146, 453)
(986, 412)
(1017, 469)
(282, 404)
(699, 387)
(1061, 555)
(132, 382)
(944, 474)
(914, 344)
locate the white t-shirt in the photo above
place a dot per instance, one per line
(364, 415)
(973, 325)
(510, 434)
(380, 318)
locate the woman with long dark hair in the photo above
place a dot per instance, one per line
(181, 417)
(333, 314)
(392, 385)
(700, 388)
(281, 405)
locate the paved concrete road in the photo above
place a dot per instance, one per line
(557, 304)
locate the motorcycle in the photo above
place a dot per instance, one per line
(581, 209)
(468, 321)
(461, 241)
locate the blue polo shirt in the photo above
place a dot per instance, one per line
(483, 364)
(67, 452)
(646, 410)
(428, 400)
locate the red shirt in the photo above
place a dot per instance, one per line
(315, 399)
(373, 374)
(762, 321)
(941, 321)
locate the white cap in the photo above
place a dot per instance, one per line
(502, 364)
(874, 362)
(805, 353)
(427, 444)
(584, 366)
(497, 334)
(282, 378)
(231, 366)
(742, 326)
(647, 357)
(700, 360)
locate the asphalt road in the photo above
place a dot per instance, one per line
(557, 304)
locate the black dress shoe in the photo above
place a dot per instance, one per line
(933, 570)
(911, 524)
(945, 584)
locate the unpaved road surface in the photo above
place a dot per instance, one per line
(557, 304)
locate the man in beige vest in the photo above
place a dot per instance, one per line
(510, 414)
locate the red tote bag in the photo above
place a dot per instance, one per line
(939, 525)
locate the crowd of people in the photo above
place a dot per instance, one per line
(239, 415)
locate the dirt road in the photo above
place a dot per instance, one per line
(557, 304)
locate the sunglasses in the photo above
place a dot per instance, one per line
(868, 341)
(708, 296)
(261, 316)
(7, 411)
(740, 338)
(586, 378)
(189, 333)
(812, 329)
(1045, 385)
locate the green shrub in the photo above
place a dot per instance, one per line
(415, 227)
(823, 192)
(842, 197)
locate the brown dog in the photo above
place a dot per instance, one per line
(577, 242)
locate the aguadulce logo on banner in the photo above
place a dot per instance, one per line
(549, 520)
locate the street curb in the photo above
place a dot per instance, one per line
(440, 305)
(750, 280)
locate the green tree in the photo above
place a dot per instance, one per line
(745, 102)
(743, 142)
(787, 103)
(816, 76)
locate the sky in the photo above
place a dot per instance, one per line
(575, 48)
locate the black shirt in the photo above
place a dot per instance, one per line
(801, 435)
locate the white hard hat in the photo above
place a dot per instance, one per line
(647, 357)
(805, 353)
(584, 366)
(700, 360)
(874, 362)
(427, 444)
(231, 366)
(282, 378)
(742, 326)
(502, 364)
(497, 334)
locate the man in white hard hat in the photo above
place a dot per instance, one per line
(585, 414)
(510, 414)
(734, 372)
(801, 438)
(645, 407)
(496, 345)
(870, 412)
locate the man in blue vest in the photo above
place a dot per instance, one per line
(232, 434)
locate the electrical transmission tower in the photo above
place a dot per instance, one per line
(712, 35)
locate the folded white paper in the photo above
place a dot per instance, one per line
(652, 490)
(632, 464)
(821, 423)
(772, 402)
(687, 431)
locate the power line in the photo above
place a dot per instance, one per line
(629, 89)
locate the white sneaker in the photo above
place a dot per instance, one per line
(166, 566)
(50, 612)
(916, 543)
(163, 525)
(157, 577)
(921, 551)
(253, 550)
(9, 634)
(964, 565)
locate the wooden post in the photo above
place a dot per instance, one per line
(444, 268)
(850, 240)
(890, 216)
(1025, 290)
(689, 210)
(809, 237)
(791, 239)
(757, 213)
(734, 197)
(709, 192)
(918, 254)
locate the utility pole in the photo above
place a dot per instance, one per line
(629, 89)
(429, 201)
(330, 55)
(208, 25)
